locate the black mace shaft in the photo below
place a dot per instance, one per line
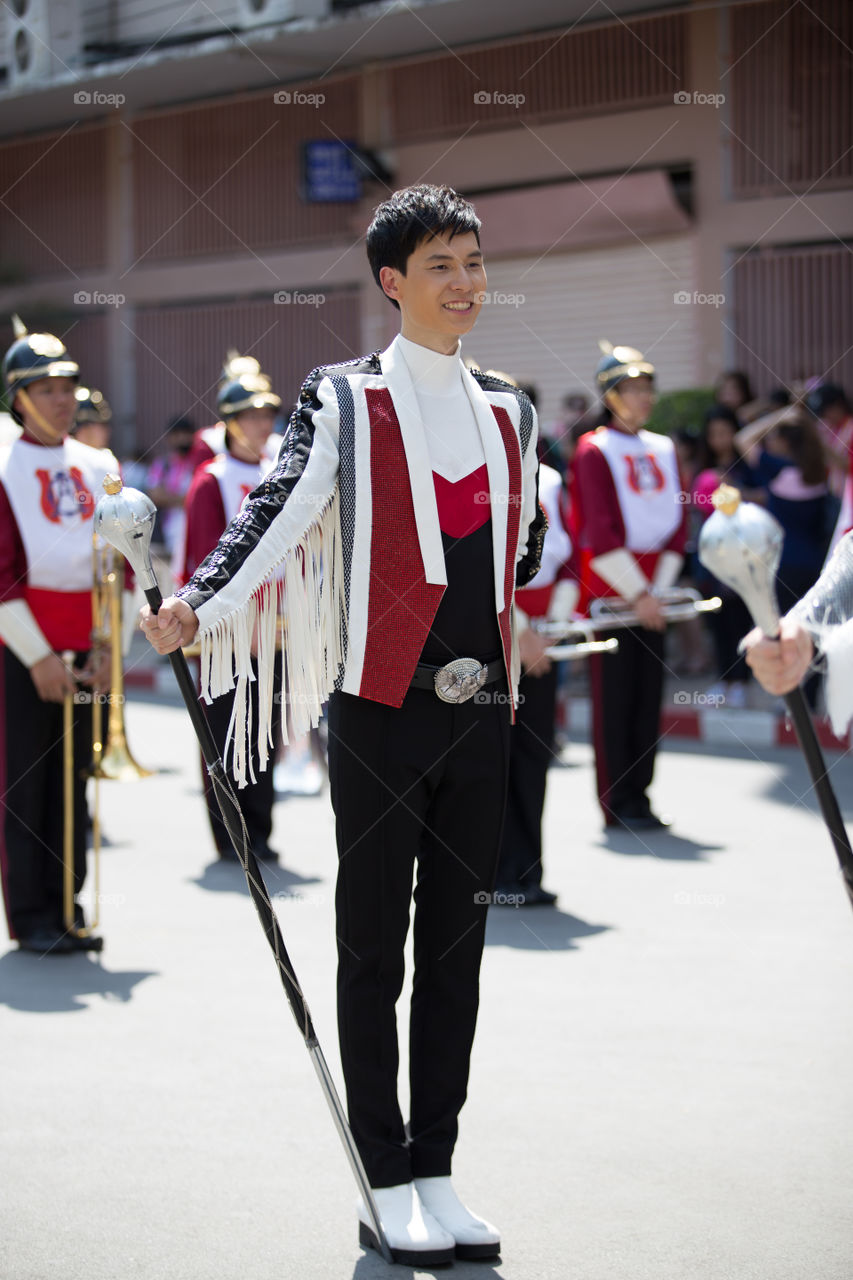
(804, 728)
(233, 818)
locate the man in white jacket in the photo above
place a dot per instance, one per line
(403, 514)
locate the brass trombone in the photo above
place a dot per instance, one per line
(111, 759)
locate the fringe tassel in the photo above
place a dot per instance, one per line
(308, 591)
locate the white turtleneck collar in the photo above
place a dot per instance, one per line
(450, 427)
(433, 373)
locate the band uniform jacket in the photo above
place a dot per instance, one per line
(343, 538)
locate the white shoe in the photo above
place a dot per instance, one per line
(414, 1237)
(475, 1238)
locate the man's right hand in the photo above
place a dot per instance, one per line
(780, 665)
(172, 628)
(52, 679)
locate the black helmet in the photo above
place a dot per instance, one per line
(33, 356)
(243, 386)
(91, 407)
(619, 363)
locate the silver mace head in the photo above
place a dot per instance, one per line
(741, 544)
(125, 519)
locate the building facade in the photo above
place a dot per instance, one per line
(679, 180)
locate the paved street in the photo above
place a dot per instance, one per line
(661, 1080)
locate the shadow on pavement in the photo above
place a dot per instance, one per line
(656, 844)
(228, 877)
(537, 929)
(57, 984)
(788, 784)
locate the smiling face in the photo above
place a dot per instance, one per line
(440, 293)
(54, 405)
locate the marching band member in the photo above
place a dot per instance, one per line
(209, 442)
(629, 517)
(247, 408)
(403, 509)
(552, 595)
(48, 487)
(92, 418)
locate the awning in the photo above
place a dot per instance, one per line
(573, 215)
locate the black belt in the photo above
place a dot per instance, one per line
(457, 681)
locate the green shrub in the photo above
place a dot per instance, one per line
(675, 409)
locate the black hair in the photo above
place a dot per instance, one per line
(180, 423)
(805, 448)
(689, 439)
(742, 382)
(411, 216)
(716, 413)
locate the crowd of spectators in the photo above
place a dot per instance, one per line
(789, 451)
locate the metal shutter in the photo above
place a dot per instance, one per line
(624, 293)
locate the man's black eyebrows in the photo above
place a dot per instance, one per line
(448, 257)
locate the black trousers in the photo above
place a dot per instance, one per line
(728, 627)
(31, 783)
(256, 798)
(531, 751)
(627, 688)
(420, 787)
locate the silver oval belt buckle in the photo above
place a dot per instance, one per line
(460, 680)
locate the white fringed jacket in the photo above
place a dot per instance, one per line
(343, 538)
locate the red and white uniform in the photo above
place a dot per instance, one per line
(217, 492)
(47, 501)
(626, 497)
(209, 443)
(537, 599)
(629, 513)
(47, 504)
